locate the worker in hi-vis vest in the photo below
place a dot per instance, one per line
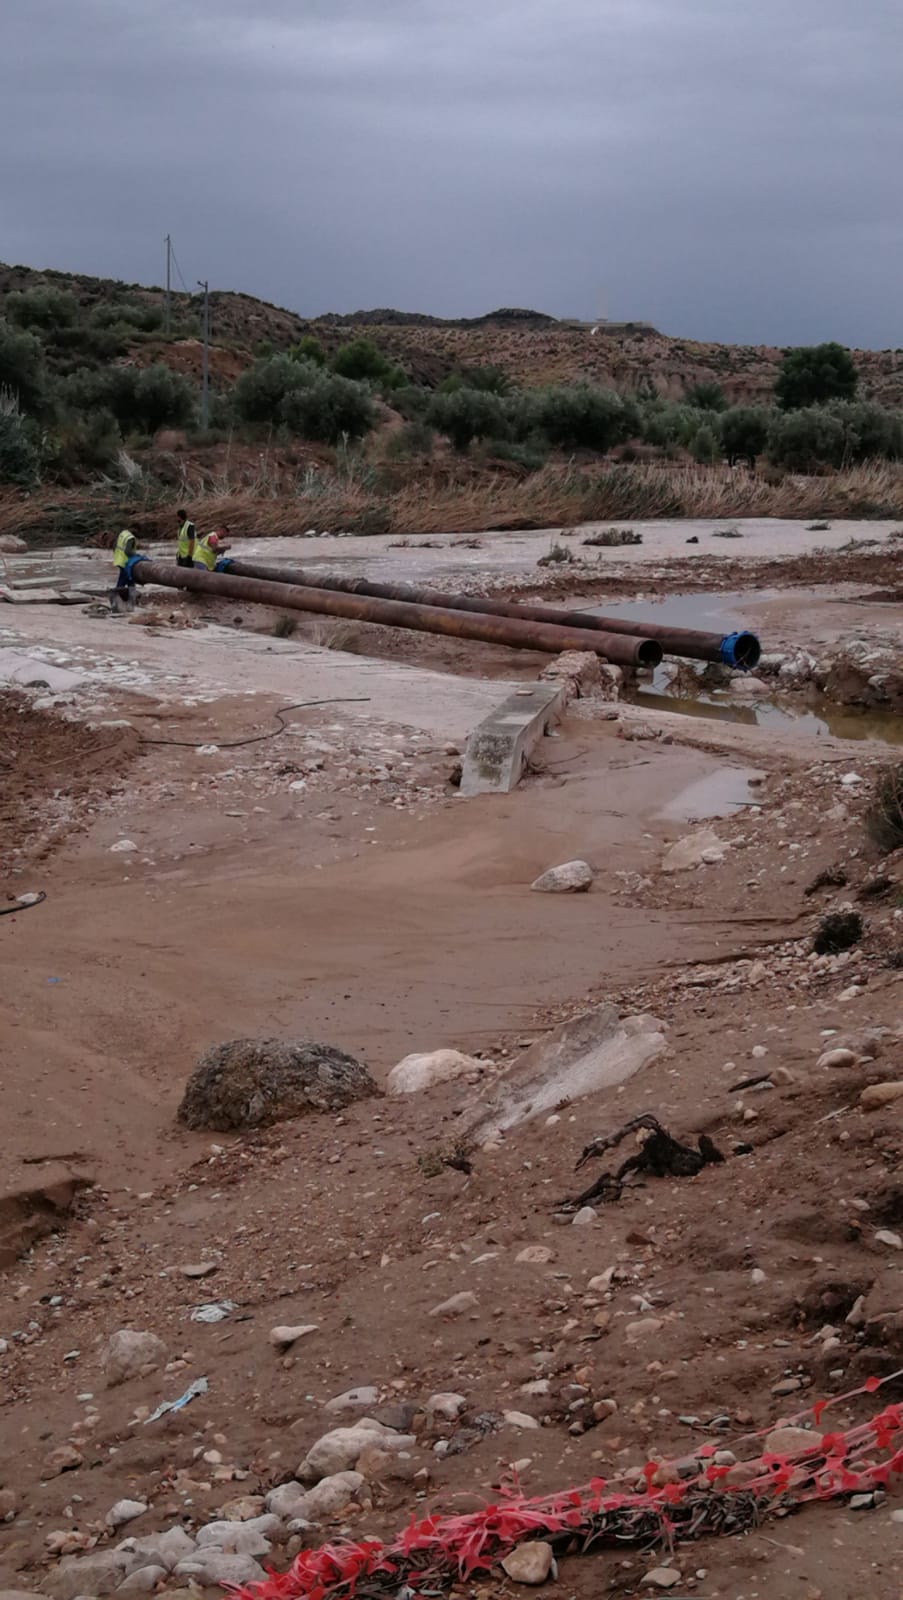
(208, 549)
(186, 538)
(124, 549)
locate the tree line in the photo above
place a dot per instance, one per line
(69, 407)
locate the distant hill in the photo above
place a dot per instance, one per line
(532, 347)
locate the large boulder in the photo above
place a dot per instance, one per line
(249, 1083)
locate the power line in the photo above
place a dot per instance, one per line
(178, 268)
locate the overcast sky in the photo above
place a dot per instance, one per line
(727, 169)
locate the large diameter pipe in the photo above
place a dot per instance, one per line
(734, 649)
(523, 635)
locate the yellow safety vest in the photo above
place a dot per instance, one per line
(186, 538)
(125, 548)
(204, 553)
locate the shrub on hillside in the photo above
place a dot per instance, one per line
(467, 414)
(41, 308)
(128, 314)
(706, 447)
(82, 442)
(581, 417)
(668, 425)
(490, 379)
(260, 390)
(884, 818)
(308, 349)
(19, 454)
(327, 409)
(22, 367)
(141, 399)
(359, 360)
(411, 402)
(744, 433)
(706, 397)
(870, 431)
(814, 374)
(804, 440)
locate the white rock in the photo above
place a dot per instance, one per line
(662, 1578)
(125, 1511)
(572, 877)
(519, 1419)
(287, 1500)
(603, 1281)
(418, 1072)
(748, 688)
(892, 1240)
(880, 1094)
(529, 1563)
(123, 847)
(850, 779)
(643, 1328)
(367, 1395)
(703, 846)
(456, 1305)
(837, 1058)
(331, 1495)
(144, 1581)
(757, 1277)
(535, 1255)
(130, 1354)
(240, 1538)
(212, 1568)
(759, 1052)
(447, 1406)
(583, 1217)
(857, 1317)
(96, 1574)
(160, 1549)
(339, 1450)
(282, 1337)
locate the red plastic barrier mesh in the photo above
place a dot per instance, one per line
(434, 1551)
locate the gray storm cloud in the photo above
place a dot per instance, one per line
(726, 171)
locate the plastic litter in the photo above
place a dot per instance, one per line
(191, 1393)
(213, 1311)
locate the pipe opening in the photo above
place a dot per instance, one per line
(741, 650)
(650, 653)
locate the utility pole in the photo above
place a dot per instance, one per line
(205, 369)
(167, 314)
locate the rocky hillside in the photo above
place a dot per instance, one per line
(530, 346)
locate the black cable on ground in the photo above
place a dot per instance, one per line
(257, 738)
(10, 911)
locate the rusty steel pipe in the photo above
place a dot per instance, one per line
(523, 635)
(735, 650)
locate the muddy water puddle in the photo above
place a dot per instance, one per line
(712, 613)
(719, 794)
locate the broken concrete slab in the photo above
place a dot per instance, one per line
(28, 597)
(497, 751)
(597, 1050)
(30, 671)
